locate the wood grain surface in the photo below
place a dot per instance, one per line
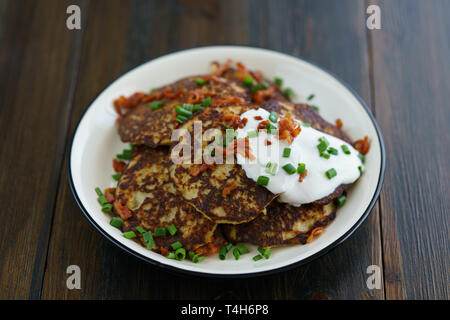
(49, 75)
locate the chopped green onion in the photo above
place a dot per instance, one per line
(148, 239)
(345, 149)
(340, 201)
(116, 222)
(301, 168)
(107, 207)
(271, 168)
(265, 252)
(195, 258)
(181, 119)
(289, 168)
(311, 96)
(258, 257)
(172, 229)
(180, 254)
(176, 245)
(197, 107)
(129, 235)
(171, 255)
(286, 152)
(140, 230)
(262, 181)
(278, 81)
(98, 191)
(306, 125)
(332, 151)
(331, 173)
(323, 144)
(206, 102)
(159, 232)
(242, 249)
(236, 253)
(257, 87)
(224, 250)
(200, 81)
(270, 127)
(273, 117)
(102, 200)
(116, 176)
(248, 82)
(252, 134)
(361, 157)
(188, 106)
(315, 108)
(325, 155)
(183, 112)
(288, 92)
(360, 170)
(156, 105)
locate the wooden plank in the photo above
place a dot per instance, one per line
(412, 71)
(147, 30)
(3, 11)
(37, 60)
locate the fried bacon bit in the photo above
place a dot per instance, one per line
(196, 170)
(302, 176)
(339, 123)
(235, 120)
(227, 100)
(119, 166)
(288, 129)
(258, 118)
(194, 97)
(316, 231)
(164, 251)
(123, 103)
(239, 146)
(218, 70)
(241, 72)
(152, 96)
(261, 96)
(227, 190)
(211, 248)
(168, 92)
(262, 125)
(267, 142)
(122, 210)
(256, 107)
(362, 145)
(110, 195)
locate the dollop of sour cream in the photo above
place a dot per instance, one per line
(303, 149)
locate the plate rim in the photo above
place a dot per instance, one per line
(178, 270)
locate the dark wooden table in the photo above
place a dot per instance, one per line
(49, 75)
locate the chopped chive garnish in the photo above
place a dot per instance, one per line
(183, 112)
(156, 105)
(236, 253)
(270, 127)
(224, 250)
(125, 155)
(159, 232)
(148, 239)
(172, 229)
(252, 134)
(188, 106)
(325, 155)
(116, 176)
(315, 108)
(129, 235)
(271, 168)
(345, 149)
(289, 168)
(116, 222)
(102, 200)
(206, 102)
(265, 252)
(197, 107)
(180, 254)
(98, 191)
(288, 92)
(258, 86)
(278, 81)
(311, 96)
(332, 151)
(200, 81)
(361, 157)
(242, 249)
(360, 170)
(258, 257)
(181, 119)
(273, 117)
(301, 168)
(107, 207)
(340, 201)
(262, 181)
(176, 245)
(248, 82)
(195, 258)
(286, 152)
(171, 255)
(331, 173)
(140, 230)
(306, 125)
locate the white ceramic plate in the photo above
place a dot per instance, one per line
(96, 142)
